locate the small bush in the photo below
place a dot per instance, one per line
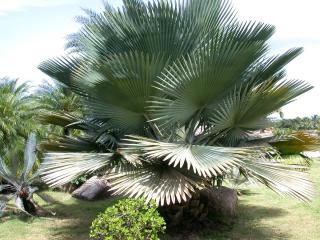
(80, 180)
(129, 219)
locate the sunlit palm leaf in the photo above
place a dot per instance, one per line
(60, 168)
(296, 159)
(29, 156)
(206, 161)
(57, 118)
(67, 144)
(283, 179)
(6, 174)
(3, 206)
(60, 69)
(165, 185)
(296, 143)
(271, 67)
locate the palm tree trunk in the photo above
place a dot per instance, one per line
(29, 206)
(218, 203)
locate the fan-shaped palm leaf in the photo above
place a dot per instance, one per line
(61, 168)
(165, 186)
(206, 161)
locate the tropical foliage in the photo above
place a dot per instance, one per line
(292, 147)
(306, 123)
(16, 120)
(55, 104)
(57, 97)
(296, 143)
(19, 179)
(169, 89)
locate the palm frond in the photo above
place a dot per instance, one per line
(163, 185)
(60, 168)
(283, 179)
(67, 144)
(60, 69)
(6, 174)
(296, 159)
(206, 161)
(247, 109)
(4, 186)
(207, 76)
(296, 143)
(57, 118)
(3, 206)
(29, 155)
(270, 67)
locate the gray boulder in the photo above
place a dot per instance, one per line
(94, 188)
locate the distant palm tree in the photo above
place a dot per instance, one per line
(57, 97)
(16, 117)
(169, 89)
(306, 123)
(56, 107)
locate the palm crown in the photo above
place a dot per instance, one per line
(16, 119)
(169, 89)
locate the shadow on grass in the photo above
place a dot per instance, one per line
(247, 192)
(247, 225)
(73, 221)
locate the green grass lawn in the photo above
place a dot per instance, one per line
(72, 220)
(262, 214)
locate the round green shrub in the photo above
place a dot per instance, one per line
(129, 219)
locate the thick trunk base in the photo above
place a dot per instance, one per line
(218, 204)
(222, 204)
(29, 207)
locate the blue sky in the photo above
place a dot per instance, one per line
(35, 30)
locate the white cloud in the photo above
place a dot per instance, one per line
(22, 53)
(297, 24)
(7, 6)
(22, 61)
(292, 18)
(305, 67)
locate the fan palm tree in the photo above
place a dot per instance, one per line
(169, 89)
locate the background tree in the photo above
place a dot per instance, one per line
(16, 116)
(306, 123)
(55, 99)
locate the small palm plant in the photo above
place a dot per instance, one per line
(292, 147)
(19, 179)
(169, 89)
